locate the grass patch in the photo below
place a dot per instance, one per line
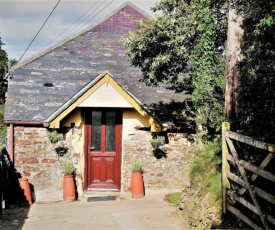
(173, 198)
(205, 170)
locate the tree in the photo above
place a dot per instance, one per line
(256, 97)
(3, 89)
(160, 47)
(3, 69)
(183, 45)
(234, 55)
(12, 62)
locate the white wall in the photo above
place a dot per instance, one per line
(106, 96)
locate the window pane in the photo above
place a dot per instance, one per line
(96, 130)
(110, 130)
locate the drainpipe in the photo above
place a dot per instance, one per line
(11, 143)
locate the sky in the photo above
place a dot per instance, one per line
(20, 20)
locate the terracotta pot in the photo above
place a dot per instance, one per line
(68, 188)
(137, 186)
(26, 190)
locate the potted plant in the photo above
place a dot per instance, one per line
(158, 141)
(54, 136)
(68, 181)
(137, 186)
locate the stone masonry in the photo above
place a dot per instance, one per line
(169, 171)
(35, 158)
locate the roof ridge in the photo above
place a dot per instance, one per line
(73, 36)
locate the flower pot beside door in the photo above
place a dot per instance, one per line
(68, 182)
(137, 186)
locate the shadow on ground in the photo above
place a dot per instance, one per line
(14, 205)
(14, 217)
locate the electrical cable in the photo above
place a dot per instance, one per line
(39, 31)
(89, 16)
(70, 26)
(94, 16)
(75, 31)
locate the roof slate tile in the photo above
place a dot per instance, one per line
(73, 64)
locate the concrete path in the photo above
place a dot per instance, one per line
(150, 212)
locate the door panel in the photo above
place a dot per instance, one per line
(103, 149)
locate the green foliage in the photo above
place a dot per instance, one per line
(207, 159)
(54, 136)
(161, 45)
(3, 70)
(173, 198)
(67, 167)
(4, 65)
(208, 65)
(3, 128)
(159, 139)
(12, 62)
(184, 46)
(256, 98)
(136, 166)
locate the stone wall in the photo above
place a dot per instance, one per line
(159, 172)
(36, 159)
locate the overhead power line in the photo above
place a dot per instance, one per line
(72, 25)
(94, 16)
(39, 30)
(75, 30)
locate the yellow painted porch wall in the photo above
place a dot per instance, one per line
(131, 119)
(78, 144)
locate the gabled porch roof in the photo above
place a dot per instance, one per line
(89, 89)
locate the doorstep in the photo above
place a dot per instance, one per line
(94, 195)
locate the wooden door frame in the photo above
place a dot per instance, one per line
(118, 148)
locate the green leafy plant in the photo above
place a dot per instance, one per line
(54, 136)
(68, 167)
(158, 141)
(136, 166)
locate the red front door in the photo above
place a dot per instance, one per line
(103, 149)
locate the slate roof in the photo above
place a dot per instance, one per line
(74, 63)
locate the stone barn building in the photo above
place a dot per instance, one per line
(85, 89)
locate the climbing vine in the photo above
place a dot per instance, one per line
(208, 65)
(183, 45)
